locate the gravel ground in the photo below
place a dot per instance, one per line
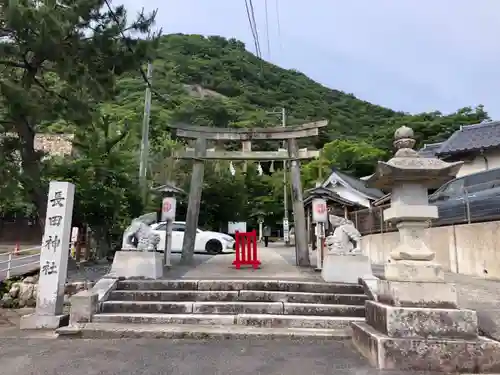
(91, 271)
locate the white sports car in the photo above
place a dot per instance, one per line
(211, 242)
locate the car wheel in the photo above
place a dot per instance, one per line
(213, 247)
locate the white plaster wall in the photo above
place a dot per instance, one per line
(478, 164)
(469, 249)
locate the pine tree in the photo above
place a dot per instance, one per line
(58, 61)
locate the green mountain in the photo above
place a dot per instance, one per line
(69, 87)
(214, 81)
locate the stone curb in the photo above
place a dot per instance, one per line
(115, 331)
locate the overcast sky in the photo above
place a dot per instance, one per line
(410, 55)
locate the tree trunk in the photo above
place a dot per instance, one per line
(103, 245)
(31, 176)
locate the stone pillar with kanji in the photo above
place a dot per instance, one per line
(54, 255)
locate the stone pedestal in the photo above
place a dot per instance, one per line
(36, 321)
(84, 305)
(146, 264)
(416, 323)
(416, 271)
(340, 268)
(418, 326)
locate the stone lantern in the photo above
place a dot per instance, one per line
(409, 177)
(416, 324)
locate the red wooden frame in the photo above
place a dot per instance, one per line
(246, 250)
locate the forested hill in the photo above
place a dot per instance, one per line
(216, 81)
(91, 88)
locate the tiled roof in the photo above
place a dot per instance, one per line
(472, 138)
(325, 193)
(358, 184)
(429, 150)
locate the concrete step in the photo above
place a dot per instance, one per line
(134, 318)
(147, 307)
(296, 321)
(187, 331)
(320, 309)
(237, 285)
(172, 295)
(255, 320)
(231, 308)
(302, 297)
(243, 295)
(175, 307)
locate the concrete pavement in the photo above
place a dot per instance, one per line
(180, 357)
(274, 265)
(38, 353)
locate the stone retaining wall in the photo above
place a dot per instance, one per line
(23, 293)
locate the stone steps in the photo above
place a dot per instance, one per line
(242, 295)
(226, 308)
(240, 285)
(231, 308)
(188, 331)
(251, 320)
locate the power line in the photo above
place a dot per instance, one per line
(253, 27)
(278, 23)
(267, 32)
(131, 50)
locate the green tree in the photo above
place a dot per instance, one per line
(107, 196)
(356, 158)
(59, 60)
(56, 72)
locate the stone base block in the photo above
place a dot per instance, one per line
(449, 356)
(104, 287)
(370, 285)
(36, 321)
(84, 306)
(406, 270)
(146, 264)
(345, 268)
(421, 322)
(418, 294)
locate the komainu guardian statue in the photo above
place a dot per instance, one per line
(345, 238)
(344, 261)
(139, 236)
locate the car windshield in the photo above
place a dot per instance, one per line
(177, 227)
(451, 189)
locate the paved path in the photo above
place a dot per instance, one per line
(273, 266)
(180, 357)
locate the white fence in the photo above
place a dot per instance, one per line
(19, 262)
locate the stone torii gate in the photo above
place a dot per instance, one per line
(200, 153)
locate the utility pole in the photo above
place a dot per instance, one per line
(143, 164)
(286, 230)
(286, 225)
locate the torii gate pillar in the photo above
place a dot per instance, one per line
(299, 216)
(246, 135)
